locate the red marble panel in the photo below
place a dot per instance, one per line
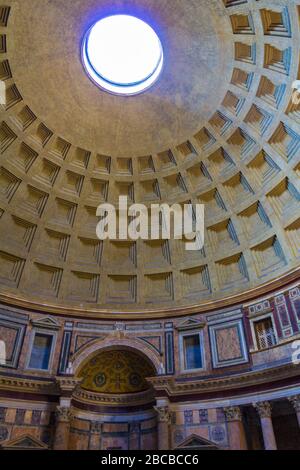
(228, 344)
(9, 336)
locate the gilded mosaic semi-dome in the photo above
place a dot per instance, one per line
(220, 127)
(116, 372)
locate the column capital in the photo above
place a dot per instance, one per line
(264, 409)
(164, 415)
(233, 413)
(96, 428)
(63, 414)
(295, 401)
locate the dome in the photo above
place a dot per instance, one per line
(226, 136)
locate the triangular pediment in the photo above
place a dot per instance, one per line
(46, 322)
(24, 442)
(190, 323)
(197, 442)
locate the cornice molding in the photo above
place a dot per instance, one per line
(67, 385)
(27, 385)
(57, 386)
(87, 397)
(173, 387)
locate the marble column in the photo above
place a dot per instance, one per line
(295, 400)
(62, 428)
(134, 436)
(66, 386)
(254, 432)
(164, 419)
(237, 437)
(264, 410)
(95, 436)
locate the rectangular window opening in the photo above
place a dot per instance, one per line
(265, 333)
(41, 352)
(192, 352)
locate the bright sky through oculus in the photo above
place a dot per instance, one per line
(123, 54)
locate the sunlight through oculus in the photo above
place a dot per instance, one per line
(122, 54)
